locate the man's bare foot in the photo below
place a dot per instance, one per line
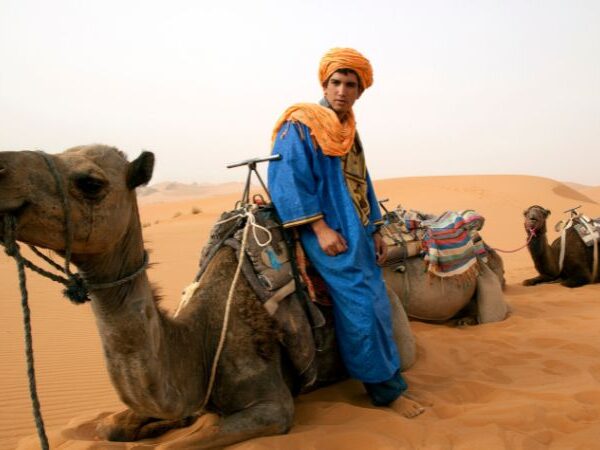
(419, 398)
(407, 407)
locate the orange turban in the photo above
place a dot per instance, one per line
(346, 58)
(333, 137)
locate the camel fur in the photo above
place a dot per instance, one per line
(160, 364)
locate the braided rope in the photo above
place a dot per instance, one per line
(238, 270)
(66, 209)
(11, 246)
(532, 234)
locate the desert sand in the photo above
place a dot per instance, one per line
(529, 382)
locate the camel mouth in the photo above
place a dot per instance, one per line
(12, 208)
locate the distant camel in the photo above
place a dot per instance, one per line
(160, 365)
(578, 260)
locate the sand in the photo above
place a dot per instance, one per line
(529, 382)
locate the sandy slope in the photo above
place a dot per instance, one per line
(530, 382)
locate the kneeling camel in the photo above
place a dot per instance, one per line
(160, 365)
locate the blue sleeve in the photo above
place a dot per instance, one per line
(375, 217)
(292, 183)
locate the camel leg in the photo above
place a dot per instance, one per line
(405, 340)
(127, 426)
(263, 419)
(539, 279)
(491, 306)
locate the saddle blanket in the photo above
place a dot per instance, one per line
(448, 241)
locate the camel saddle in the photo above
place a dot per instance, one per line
(449, 244)
(401, 242)
(587, 229)
(270, 268)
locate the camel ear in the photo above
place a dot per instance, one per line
(140, 170)
(547, 212)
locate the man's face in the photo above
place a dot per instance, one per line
(341, 91)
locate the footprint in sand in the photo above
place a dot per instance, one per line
(588, 410)
(497, 376)
(595, 372)
(582, 349)
(547, 342)
(559, 368)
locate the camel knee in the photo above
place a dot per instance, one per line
(281, 418)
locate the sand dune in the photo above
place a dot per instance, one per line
(530, 382)
(593, 193)
(174, 191)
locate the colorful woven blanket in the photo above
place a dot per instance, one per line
(448, 241)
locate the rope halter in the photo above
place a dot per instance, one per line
(77, 289)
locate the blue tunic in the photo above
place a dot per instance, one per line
(305, 185)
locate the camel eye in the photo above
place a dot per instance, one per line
(89, 186)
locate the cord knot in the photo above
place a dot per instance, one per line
(76, 290)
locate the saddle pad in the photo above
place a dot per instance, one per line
(584, 231)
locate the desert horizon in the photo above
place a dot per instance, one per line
(531, 381)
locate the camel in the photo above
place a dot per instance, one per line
(577, 267)
(161, 365)
(435, 299)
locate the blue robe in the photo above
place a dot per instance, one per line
(306, 185)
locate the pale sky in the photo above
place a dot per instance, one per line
(461, 87)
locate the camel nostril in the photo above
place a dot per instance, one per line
(2, 171)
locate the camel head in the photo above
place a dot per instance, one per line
(535, 218)
(98, 182)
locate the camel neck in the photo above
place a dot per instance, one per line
(142, 343)
(544, 259)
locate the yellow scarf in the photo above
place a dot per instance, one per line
(333, 137)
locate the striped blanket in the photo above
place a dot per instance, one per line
(448, 242)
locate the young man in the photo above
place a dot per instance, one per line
(321, 186)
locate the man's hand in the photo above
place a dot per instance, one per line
(331, 241)
(380, 247)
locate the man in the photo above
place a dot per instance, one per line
(322, 188)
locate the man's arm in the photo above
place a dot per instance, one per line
(291, 181)
(377, 221)
(380, 247)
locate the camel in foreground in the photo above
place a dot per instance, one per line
(578, 262)
(160, 365)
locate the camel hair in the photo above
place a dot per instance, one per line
(160, 365)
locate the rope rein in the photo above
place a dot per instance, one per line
(532, 234)
(77, 289)
(250, 223)
(9, 229)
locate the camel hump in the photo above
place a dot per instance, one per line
(269, 268)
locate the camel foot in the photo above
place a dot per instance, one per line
(407, 407)
(531, 282)
(127, 426)
(573, 282)
(539, 279)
